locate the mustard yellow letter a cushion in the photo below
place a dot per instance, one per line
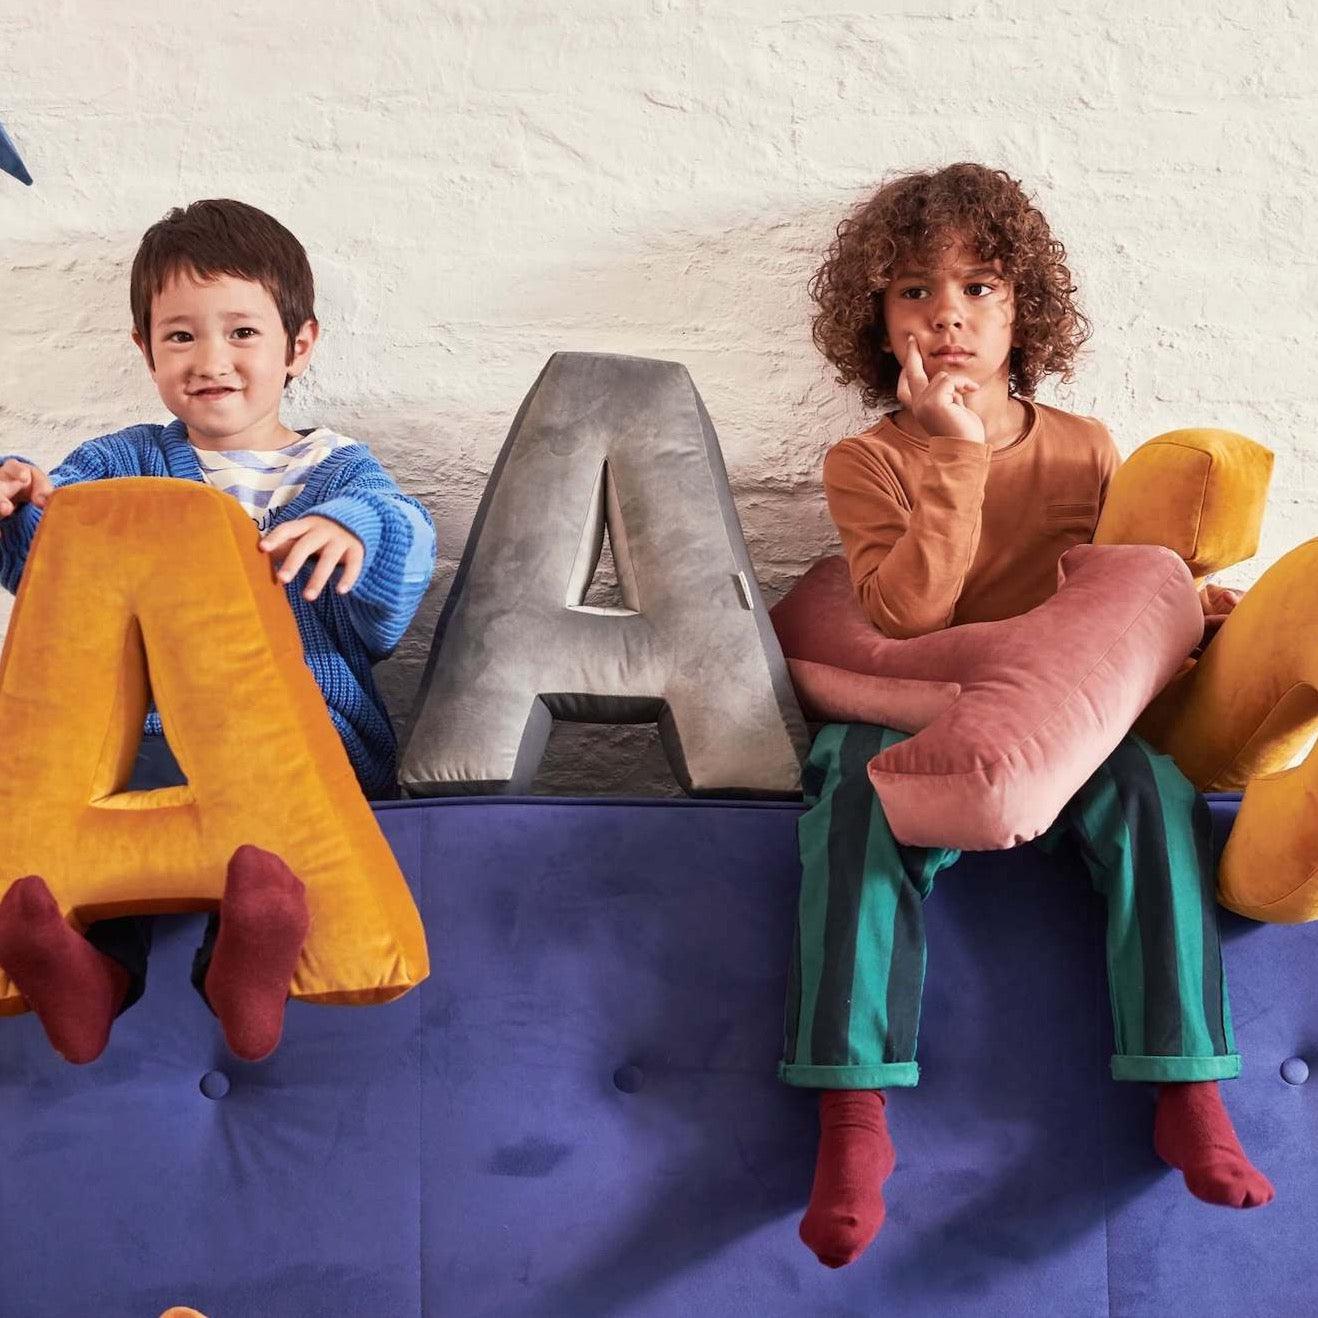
(145, 587)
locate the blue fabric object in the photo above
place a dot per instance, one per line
(1295, 1071)
(342, 635)
(10, 161)
(577, 1116)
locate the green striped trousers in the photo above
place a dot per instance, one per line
(857, 973)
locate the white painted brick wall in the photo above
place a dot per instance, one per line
(480, 184)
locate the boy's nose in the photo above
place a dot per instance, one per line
(947, 317)
(211, 364)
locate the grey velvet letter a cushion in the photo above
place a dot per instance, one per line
(624, 441)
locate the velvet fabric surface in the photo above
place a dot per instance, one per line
(1199, 492)
(1011, 717)
(623, 442)
(576, 1115)
(171, 597)
(1244, 718)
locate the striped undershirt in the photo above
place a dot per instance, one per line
(265, 480)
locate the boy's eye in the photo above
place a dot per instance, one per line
(178, 336)
(245, 331)
(915, 291)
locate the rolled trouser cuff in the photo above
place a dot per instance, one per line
(1175, 1070)
(884, 1075)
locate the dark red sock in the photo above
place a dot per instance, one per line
(1192, 1132)
(263, 924)
(855, 1158)
(74, 988)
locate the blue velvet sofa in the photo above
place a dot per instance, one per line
(578, 1115)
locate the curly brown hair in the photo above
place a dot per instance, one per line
(917, 216)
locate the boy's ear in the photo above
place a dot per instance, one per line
(145, 349)
(303, 343)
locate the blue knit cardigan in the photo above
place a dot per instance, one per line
(342, 635)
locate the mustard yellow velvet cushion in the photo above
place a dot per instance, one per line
(1236, 719)
(144, 586)
(1201, 493)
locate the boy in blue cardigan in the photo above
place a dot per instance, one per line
(223, 313)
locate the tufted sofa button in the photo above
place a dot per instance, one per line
(215, 1084)
(629, 1079)
(1295, 1070)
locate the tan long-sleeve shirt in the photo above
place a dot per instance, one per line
(944, 531)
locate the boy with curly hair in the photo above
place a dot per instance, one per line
(947, 292)
(222, 301)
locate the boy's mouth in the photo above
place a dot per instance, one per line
(218, 391)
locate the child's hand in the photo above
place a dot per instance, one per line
(22, 483)
(295, 542)
(938, 404)
(1217, 603)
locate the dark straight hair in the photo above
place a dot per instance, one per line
(220, 237)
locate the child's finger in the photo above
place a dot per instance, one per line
(941, 387)
(306, 545)
(352, 568)
(944, 391)
(42, 489)
(294, 561)
(948, 387)
(326, 561)
(914, 364)
(319, 579)
(281, 535)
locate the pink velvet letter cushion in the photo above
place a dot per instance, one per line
(1011, 718)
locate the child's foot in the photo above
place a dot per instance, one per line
(74, 988)
(855, 1158)
(263, 924)
(1192, 1132)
